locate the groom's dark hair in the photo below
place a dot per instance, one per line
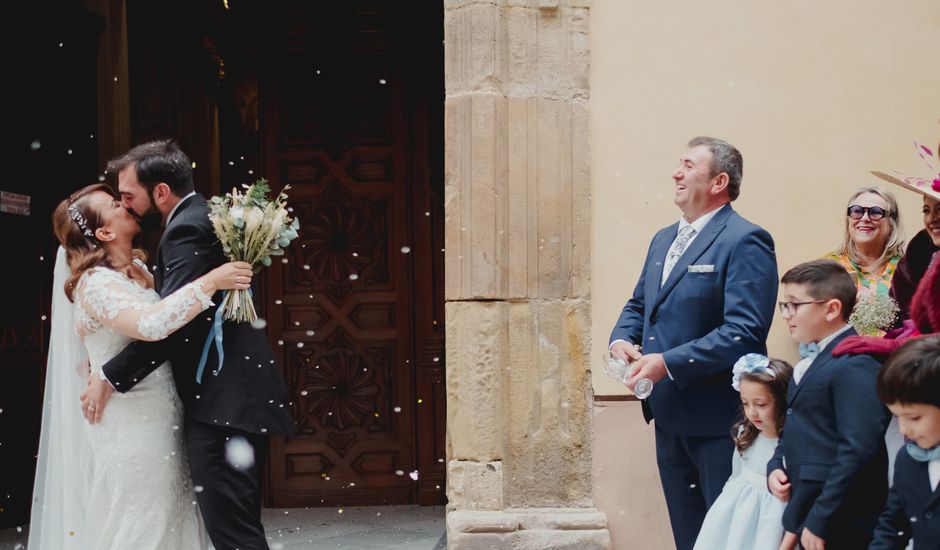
(160, 161)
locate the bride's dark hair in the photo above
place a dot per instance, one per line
(75, 222)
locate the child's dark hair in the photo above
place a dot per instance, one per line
(776, 376)
(912, 373)
(825, 280)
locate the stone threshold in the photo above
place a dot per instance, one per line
(528, 528)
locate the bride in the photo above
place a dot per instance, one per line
(123, 482)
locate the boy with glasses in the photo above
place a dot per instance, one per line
(833, 476)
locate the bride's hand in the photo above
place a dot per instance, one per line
(231, 276)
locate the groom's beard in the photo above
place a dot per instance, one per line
(151, 221)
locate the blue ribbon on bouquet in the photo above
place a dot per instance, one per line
(215, 334)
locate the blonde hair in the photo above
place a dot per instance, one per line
(894, 245)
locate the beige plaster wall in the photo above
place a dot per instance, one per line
(814, 94)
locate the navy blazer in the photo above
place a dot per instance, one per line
(833, 441)
(702, 320)
(912, 508)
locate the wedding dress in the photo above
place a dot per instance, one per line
(134, 480)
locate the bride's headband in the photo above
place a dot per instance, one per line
(82, 224)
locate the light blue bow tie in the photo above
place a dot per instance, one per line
(809, 350)
(921, 454)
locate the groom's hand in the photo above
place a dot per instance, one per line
(95, 397)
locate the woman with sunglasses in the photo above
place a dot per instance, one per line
(873, 242)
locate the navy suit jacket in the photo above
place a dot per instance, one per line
(702, 320)
(910, 499)
(833, 441)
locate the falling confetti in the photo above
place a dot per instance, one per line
(35, 145)
(300, 344)
(304, 392)
(413, 475)
(353, 276)
(259, 323)
(239, 453)
(198, 488)
(397, 409)
(399, 472)
(311, 332)
(382, 81)
(405, 249)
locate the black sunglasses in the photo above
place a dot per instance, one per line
(875, 213)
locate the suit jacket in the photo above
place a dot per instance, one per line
(248, 393)
(833, 441)
(702, 320)
(913, 509)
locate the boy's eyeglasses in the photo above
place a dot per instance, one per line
(789, 308)
(875, 213)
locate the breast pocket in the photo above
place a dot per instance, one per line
(703, 285)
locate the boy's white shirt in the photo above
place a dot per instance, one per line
(933, 472)
(800, 368)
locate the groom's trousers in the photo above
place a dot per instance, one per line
(227, 466)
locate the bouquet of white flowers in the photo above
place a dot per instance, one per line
(252, 228)
(874, 313)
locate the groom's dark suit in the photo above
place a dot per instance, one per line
(246, 398)
(716, 305)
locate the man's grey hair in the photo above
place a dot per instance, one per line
(725, 158)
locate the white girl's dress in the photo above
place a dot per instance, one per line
(745, 516)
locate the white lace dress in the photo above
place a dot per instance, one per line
(139, 494)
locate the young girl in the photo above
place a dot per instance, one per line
(746, 516)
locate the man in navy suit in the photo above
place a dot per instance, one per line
(705, 298)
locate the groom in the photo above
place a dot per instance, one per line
(239, 401)
(705, 298)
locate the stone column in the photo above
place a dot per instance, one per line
(517, 281)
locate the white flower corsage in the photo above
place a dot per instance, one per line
(752, 362)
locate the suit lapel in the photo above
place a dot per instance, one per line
(923, 480)
(186, 203)
(655, 274)
(822, 360)
(701, 243)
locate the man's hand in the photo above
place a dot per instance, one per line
(625, 351)
(809, 541)
(779, 485)
(650, 366)
(95, 397)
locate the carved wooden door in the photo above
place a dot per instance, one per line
(342, 129)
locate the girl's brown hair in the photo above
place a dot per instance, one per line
(75, 222)
(776, 376)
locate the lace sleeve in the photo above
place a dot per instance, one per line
(112, 299)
